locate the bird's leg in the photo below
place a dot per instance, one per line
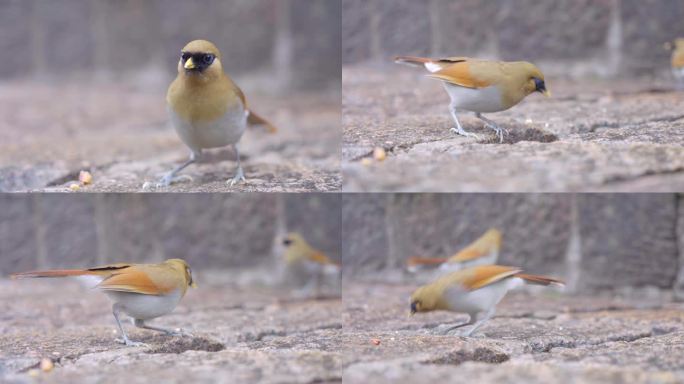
(166, 180)
(124, 340)
(480, 322)
(458, 129)
(141, 324)
(490, 124)
(239, 175)
(471, 320)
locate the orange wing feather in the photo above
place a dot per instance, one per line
(481, 276)
(135, 280)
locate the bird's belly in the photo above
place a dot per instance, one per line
(224, 131)
(144, 307)
(678, 73)
(483, 100)
(482, 299)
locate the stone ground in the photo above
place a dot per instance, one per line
(239, 335)
(590, 136)
(545, 338)
(49, 132)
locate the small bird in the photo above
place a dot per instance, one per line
(483, 251)
(308, 263)
(142, 291)
(206, 108)
(482, 86)
(473, 291)
(678, 62)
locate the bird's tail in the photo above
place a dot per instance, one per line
(540, 280)
(412, 60)
(53, 273)
(255, 119)
(417, 260)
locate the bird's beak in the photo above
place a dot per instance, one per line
(546, 93)
(410, 313)
(193, 285)
(189, 64)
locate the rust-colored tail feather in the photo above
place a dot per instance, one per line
(540, 280)
(53, 273)
(417, 260)
(255, 119)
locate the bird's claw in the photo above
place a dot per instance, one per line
(239, 176)
(462, 132)
(180, 333)
(499, 131)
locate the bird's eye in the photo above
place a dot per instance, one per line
(287, 242)
(185, 56)
(208, 59)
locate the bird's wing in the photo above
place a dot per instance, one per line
(467, 73)
(482, 276)
(142, 278)
(320, 257)
(489, 241)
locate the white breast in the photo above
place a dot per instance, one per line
(145, 307)
(483, 100)
(224, 131)
(678, 73)
(482, 299)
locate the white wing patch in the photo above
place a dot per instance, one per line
(433, 67)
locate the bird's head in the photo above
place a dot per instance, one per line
(679, 43)
(423, 299)
(181, 266)
(534, 79)
(295, 247)
(200, 57)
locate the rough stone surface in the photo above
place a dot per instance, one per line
(589, 137)
(240, 334)
(542, 338)
(637, 230)
(122, 136)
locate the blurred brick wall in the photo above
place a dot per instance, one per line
(612, 36)
(296, 40)
(594, 241)
(207, 230)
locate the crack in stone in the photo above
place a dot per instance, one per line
(480, 354)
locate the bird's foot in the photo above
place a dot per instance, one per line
(239, 176)
(462, 132)
(498, 130)
(179, 332)
(129, 343)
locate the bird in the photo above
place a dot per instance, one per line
(483, 251)
(474, 291)
(308, 263)
(482, 86)
(141, 291)
(206, 108)
(678, 62)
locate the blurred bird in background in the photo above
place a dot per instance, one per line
(207, 109)
(308, 266)
(474, 291)
(678, 63)
(141, 291)
(483, 251)
(482, 86)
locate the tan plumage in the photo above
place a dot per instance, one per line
(473, 291)
(299, 250)
(678, 62)
(143, 291)
(307, 266)
(207, 108)
(484, 250)
(482, 86)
